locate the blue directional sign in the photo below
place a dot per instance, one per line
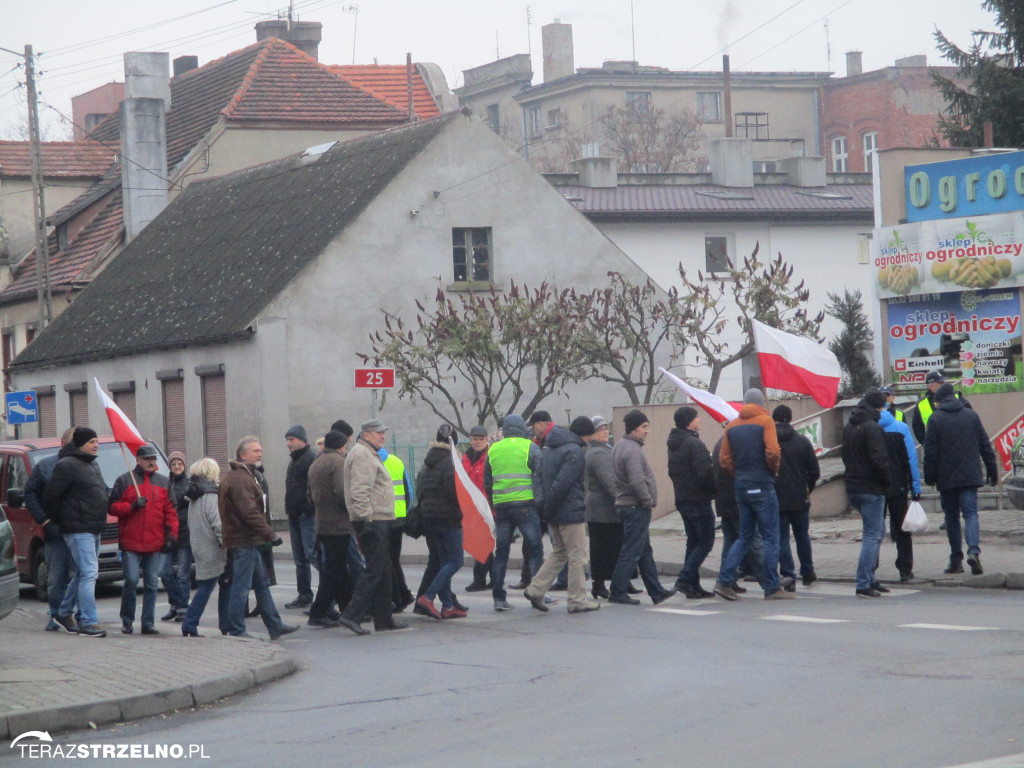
(22, 407)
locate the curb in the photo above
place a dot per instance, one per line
(158, 702)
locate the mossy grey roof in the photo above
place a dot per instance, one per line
(203, 270)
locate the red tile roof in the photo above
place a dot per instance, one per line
(268, 82)
(63, 159)
(96, 240)
(390, 82)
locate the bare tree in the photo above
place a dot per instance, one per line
(650, 140)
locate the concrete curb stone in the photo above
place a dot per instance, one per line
(986, 581)
(1015, 581)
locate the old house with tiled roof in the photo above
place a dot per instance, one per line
(262, 102)
(250, 296)
(422, 84)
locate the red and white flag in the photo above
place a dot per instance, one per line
(717, 408)
(795, 364)
(477, 520)
(122, 427)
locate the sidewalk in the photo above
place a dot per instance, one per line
(52, 682)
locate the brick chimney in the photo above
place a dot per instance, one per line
(304, 35)
(556, 43)
(144, 138)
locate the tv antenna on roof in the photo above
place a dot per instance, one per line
(354, 10)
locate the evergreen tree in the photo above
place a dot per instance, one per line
(991, 87)
(851, 346)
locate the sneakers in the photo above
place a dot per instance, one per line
(126, 628)
(503, 605)
(428, 607)
(725, 591)
(781, 594)
(877, 586)
(286, 629)
(452, 613)
(54, 626)
(549, 600)
(975, 562)
(69, 623)
(92, 630)
(868, 593)
(536, 601)
(787, 581)
(810, 578)
(663, 596)
(623, 600)
(477, 587)
(955, 566)
(586, 607)
(300, 602)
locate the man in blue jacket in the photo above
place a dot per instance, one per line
(562, 469)
(955, 446)
(903, 476)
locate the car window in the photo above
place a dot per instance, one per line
(17, 475)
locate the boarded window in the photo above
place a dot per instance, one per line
(47, 415)
(215, 419)
(174, 415)
(79, 408)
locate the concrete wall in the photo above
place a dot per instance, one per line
(17, 214)
(824, 256)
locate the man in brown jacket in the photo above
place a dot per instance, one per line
(244, 529)
(370, 497)
(333, 530)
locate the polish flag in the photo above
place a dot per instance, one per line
(795, 364)
(122, 427)
(477, 521)
(717, 408)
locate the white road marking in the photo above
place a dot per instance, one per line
(684, 611)
(950, 627)
(804, 619)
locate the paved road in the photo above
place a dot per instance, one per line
(924, 678)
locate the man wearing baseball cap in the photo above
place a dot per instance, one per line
(927, 404)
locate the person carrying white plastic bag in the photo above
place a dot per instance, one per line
(916, 521)
(904, 477)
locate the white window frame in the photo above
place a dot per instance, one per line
(870, 144)
(730, 250)
(840, 154)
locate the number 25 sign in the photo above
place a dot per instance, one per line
(375, 378)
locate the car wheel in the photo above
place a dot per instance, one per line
(39, 574)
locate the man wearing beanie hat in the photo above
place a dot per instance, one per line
(540, 423)
(636, 495)
(928, 402)
(955, 448)
(76, 499)
(750, 454)
(798, 474)
(333, 529)
(562, 467)
(867, 480)
(693, 480)
(301, 514)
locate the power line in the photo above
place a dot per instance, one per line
(744, 37)
(799, 31)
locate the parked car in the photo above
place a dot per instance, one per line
(9, 582)
(18, 458)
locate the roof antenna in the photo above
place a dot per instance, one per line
(354, 10)
(529, 21)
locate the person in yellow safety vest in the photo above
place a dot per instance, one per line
(401, 596)
(926, 405)
(890, 399)
(514, 496)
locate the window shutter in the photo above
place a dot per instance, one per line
(215, 419)
(174, 415)
(80, 409)
(126, 402)
(47, 415)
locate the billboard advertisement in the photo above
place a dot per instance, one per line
(973, 186)
(973, 337)
(949, 255)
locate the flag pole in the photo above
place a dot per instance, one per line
(131, 473)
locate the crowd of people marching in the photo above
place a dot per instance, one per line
(349, 507)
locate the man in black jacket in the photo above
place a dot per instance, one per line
(927, 403)
(76, 498)
(301, 514)
(867, 480)
(955, 446)
(693, 480)
(798, 474)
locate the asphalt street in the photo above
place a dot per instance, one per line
(930, 678)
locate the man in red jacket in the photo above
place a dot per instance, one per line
(147, 525)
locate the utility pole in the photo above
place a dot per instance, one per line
(42, 251)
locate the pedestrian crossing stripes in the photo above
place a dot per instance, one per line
(949, 627)
(805, 619)
(683, 611)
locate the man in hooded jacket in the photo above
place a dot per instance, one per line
(693, 480)
(903, 477)
(798, 474)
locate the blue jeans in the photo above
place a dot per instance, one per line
(85, 551)
(872, 512)
(59, 567)
(302, 530)
(759, 509)
(636, 553)
(176, 574)
(247, 571)
(754, 559)
(699, 523)
(204, 589)
(800, 521)
(448, 541)
(508, 517)
(132, 564)
(957, 501)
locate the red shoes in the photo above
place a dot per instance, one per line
(428, 607)
(453, 613)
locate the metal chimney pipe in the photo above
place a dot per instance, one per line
(727, 78)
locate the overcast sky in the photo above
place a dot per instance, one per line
(81, 42)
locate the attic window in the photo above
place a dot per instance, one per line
(825, 195)
(726, 195)
(471, 254)
(319, 149)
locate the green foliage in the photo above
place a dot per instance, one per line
(851, 346)
(992, 69)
